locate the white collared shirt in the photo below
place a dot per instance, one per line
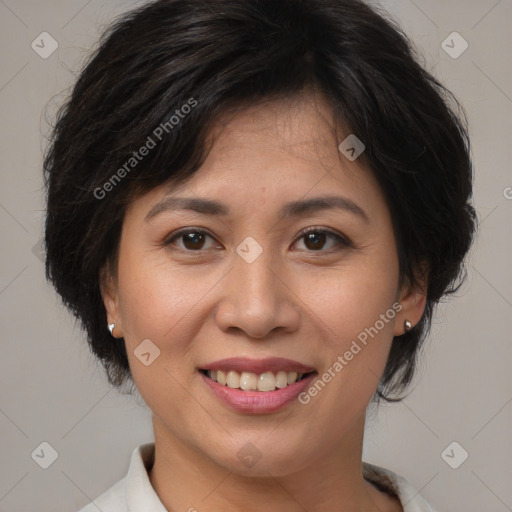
(134, 493)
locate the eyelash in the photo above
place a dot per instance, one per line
(341, 240)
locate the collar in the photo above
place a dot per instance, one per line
(397, 486)
(141, 496)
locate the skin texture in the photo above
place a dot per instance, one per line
(297, 300)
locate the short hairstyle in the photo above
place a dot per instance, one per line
(166, 71)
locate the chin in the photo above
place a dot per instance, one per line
(263, 458)
(274, 465)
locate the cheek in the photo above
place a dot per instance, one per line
(354, 313)
(156, 300)
(159, 305)
(353, 299)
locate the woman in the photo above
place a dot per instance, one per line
(253, 209)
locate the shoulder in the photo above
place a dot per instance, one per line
(134, 492)
(396, 485)
(112, 500)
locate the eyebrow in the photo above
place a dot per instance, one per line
(292, 209)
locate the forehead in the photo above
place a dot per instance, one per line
(302, 125)
(276, 152)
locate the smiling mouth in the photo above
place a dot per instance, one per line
(249, 381)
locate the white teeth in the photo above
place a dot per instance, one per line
(221, 377)
(281, 380)
(292, 377)
(249, 381)
(266, 382)
(233, 379)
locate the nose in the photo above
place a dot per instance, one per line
(257, 300)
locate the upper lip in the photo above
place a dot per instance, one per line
(270, 364)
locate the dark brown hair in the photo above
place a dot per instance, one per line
(211, 55)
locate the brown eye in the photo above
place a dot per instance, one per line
(191, 240)
(315, 239)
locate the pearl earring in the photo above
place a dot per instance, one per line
(407, 326)
(111, 329)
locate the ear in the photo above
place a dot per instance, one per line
(110, 295)
(412, 298)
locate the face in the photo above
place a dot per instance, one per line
(262, 283)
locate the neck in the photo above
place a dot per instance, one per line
(188, 480)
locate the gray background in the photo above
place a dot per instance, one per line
(51, 388)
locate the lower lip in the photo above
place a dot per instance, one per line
(258, 402)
